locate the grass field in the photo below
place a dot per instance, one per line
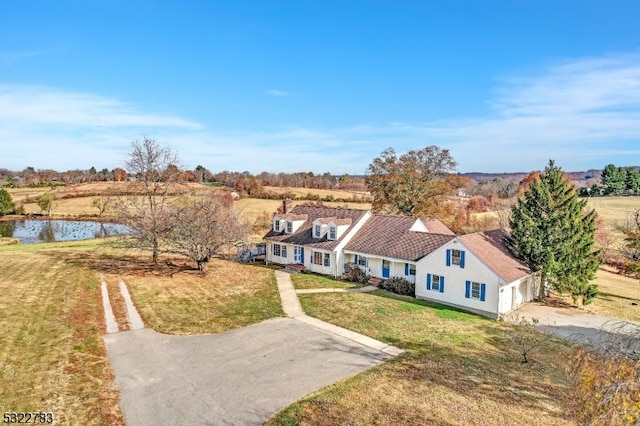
(52, 357)
(458, 369)
(617, 293)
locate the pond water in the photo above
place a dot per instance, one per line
(31, 231)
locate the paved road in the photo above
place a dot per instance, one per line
(240, 377)
(572, 323)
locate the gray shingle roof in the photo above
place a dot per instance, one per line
(390, 236)
(303, 235)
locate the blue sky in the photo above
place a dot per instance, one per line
(285, 86)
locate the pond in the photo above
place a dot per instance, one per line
(31, 231)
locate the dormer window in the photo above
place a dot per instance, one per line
(289, 227)
(276, 225)
(317, 231)
(332, 232)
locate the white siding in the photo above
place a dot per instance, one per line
(455, 279)
(279, 259)
(516, 293)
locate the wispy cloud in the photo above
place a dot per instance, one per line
(276, 92)
(11, 58)
(583, 113)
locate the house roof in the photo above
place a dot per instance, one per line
(437, 227)
(390, 236)
(303, 235)
(337, 221)
(491, 247)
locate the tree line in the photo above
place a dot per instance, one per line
(615, 180)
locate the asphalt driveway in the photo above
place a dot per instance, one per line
(240, 377)
(572, 323)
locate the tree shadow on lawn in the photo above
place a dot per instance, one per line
(126, 263)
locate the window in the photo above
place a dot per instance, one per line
(276, 225)
(289, 227)
(317, 258)
(455, 257)
(474, 290)
(435, 283)
(279, 250)
(332, 232)
(317, 231)
(361, 261)
(327, 259)
(410, 269)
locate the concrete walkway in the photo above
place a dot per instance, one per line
(240, 377)
(292, 308)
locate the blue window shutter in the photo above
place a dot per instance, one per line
(462, 258)
(441, 284)
(428, 281)
(483, 291)
(448, 257)
(356, 261)
(467, 289)
(406, 269)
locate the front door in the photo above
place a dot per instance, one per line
(386, 265)
(298, 254)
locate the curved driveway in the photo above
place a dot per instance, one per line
(573, 324)
(240, 377)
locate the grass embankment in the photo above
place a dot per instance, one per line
(52, 357)
(458, 369)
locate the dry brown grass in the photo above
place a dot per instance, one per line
(52, 357)
(174, 298)
(458, 369)
(322, 193)
(617, 295)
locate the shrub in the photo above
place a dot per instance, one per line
(355, 274)
(399, 286)
(6, 203)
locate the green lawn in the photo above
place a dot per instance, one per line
(309, 280)
(458, 369)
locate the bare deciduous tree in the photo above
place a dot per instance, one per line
(104, 201)
(203, 225)
(154, 169)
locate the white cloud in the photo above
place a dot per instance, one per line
(276, 92)
(584, 114)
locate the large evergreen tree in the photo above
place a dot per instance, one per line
(554, 234)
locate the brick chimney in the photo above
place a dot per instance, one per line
(287, 205)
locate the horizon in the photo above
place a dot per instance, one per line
(257, 86)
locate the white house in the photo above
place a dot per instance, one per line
(312, 236)
(474, 272)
